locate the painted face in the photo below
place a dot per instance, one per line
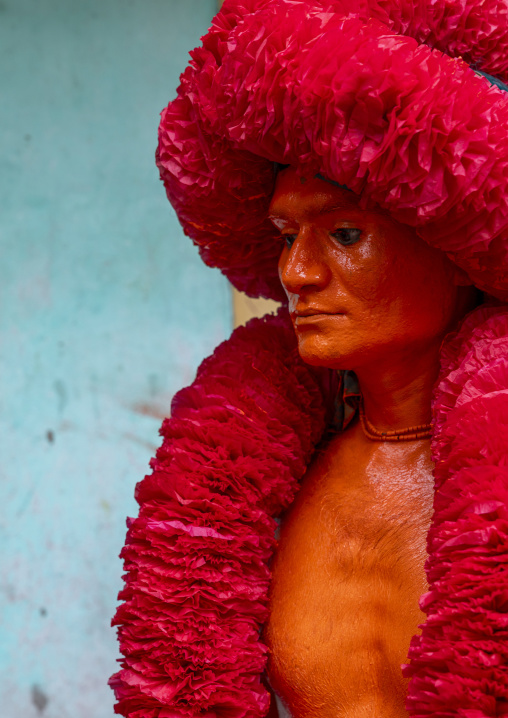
(362, 288)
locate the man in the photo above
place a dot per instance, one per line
(365, 294)
(350, 94)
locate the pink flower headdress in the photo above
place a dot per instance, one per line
(386, 98)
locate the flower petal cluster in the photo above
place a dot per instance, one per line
(196, 557)
(237, 442)
(379, 96)
(459, 664)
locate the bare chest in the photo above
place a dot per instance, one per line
(347, 578)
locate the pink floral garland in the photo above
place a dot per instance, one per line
(238, 441)
(459, 665)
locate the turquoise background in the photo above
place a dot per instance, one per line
(105, 311)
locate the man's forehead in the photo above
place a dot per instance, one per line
(296, 194)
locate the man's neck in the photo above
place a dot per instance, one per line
(397, 393)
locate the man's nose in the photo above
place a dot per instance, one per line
(304, 266)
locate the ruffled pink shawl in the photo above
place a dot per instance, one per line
(238, 441)
(420, 134)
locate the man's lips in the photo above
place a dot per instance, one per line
(308, 316)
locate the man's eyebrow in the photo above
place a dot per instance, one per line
(335, 207)
(281, 214)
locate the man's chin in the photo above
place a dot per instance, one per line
(319, 354)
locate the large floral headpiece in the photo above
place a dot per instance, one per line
(385, 97)
(378, 95)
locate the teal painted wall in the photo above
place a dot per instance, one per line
(105, 311)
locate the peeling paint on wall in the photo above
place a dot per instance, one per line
(105, 310)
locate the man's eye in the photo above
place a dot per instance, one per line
(290, 239)
(347, 236)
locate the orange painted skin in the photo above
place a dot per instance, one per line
(365, 294)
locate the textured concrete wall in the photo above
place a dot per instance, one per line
(105, 310)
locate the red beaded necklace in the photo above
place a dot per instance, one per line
(411, 433)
